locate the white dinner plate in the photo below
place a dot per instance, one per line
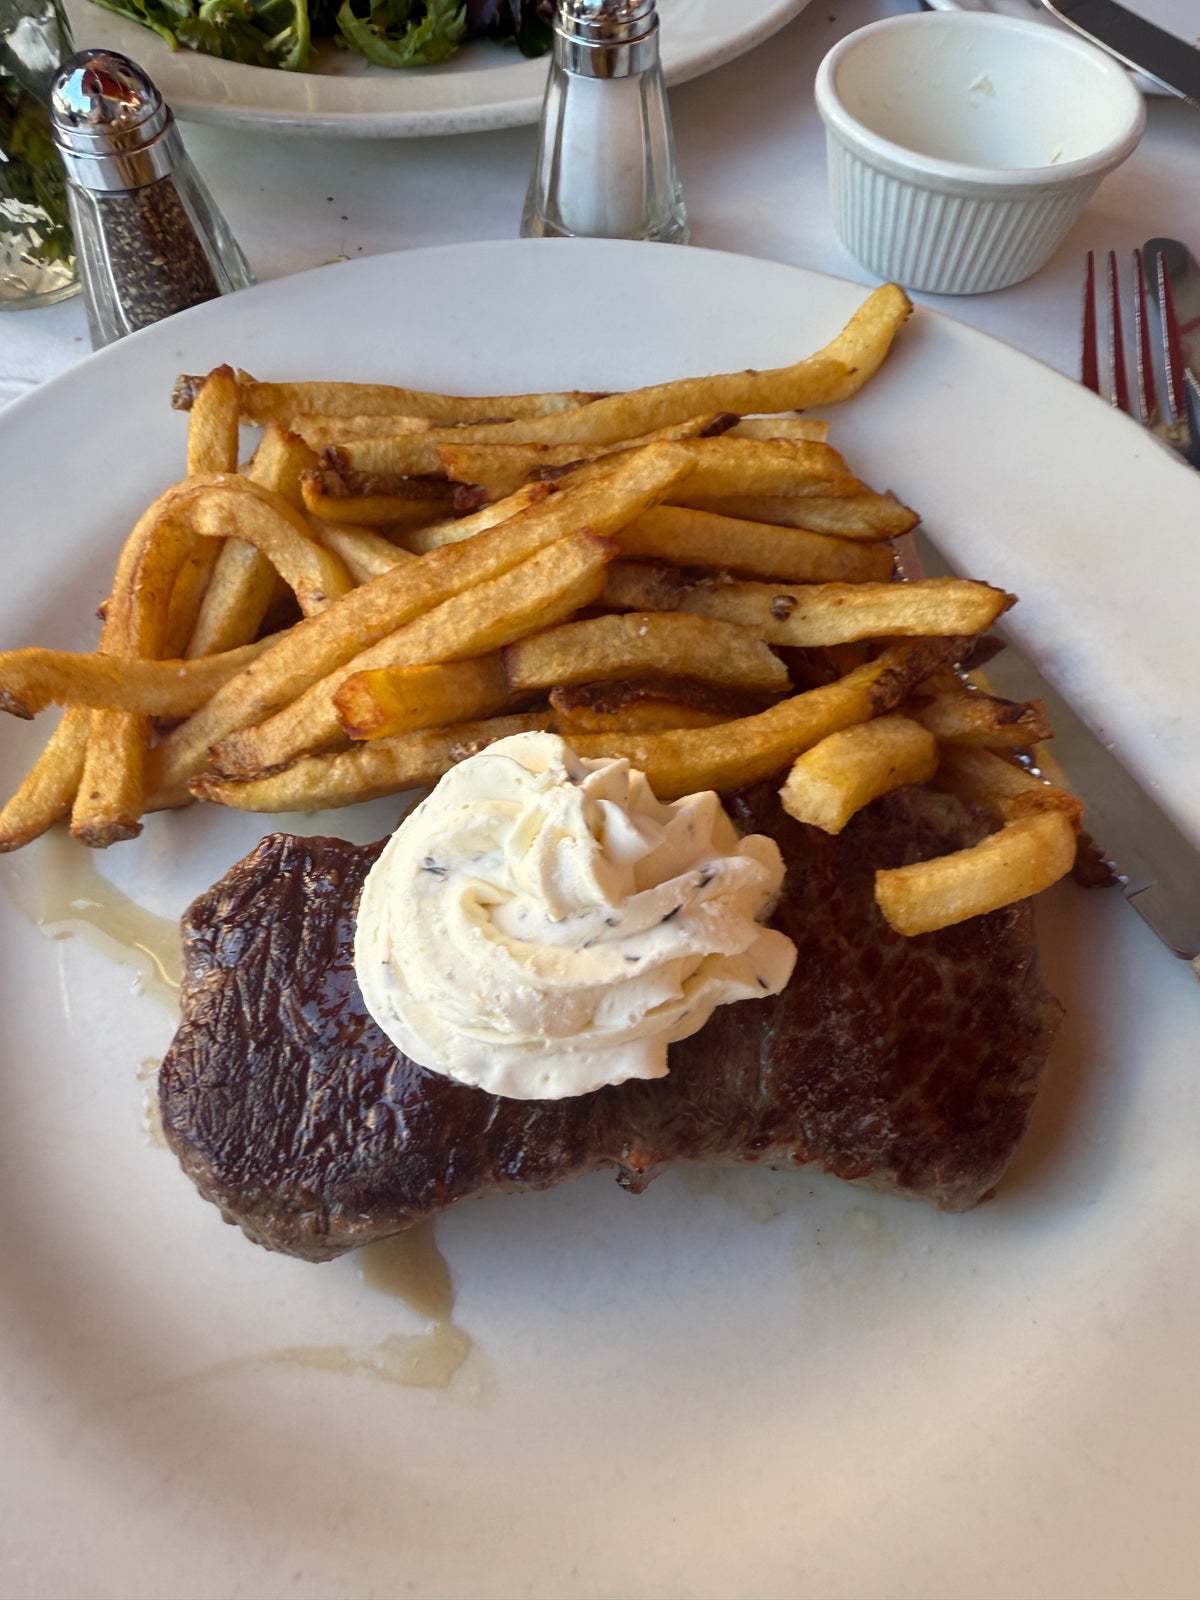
(748, 1385)
(1176, 16)
(486, 85)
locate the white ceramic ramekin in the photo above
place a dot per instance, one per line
(963, 145)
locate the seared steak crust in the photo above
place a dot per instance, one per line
(908, 1064)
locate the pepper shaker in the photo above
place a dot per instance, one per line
(150, 240)
(605, 163)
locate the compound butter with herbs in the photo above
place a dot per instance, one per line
(541, 925)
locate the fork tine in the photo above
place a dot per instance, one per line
(1116, 338)
(1172, 349)
(1147, 389)
(1089, 362)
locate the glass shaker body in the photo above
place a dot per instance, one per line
(151, 241)
(605, 164)
(37, 252)
(148, 252)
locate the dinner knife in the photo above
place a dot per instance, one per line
(1139, 44)
(1156, 866)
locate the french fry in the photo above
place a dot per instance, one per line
(538, 592)
(779, 428)
(971, 717)
(108, 799)
(985, 778)
(645, 642)
(1024, 857)
(319, 430)
(212, 444)
(262, 402)
(724, 465)
(50, 785)
(688, 538)
(315, 575)
(865, 515)
(454, 530)
(384, 701)
(187, 595)
(501, 469)
(319, 645)
(32, 679)
(850, 768)
(243, 581)
(814, 614)
(833, 373)
(733, 754)
(645, 705)
(369, 770)
(375, 499)
(366, 554)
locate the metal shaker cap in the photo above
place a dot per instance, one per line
(606, 38)
(112, 127)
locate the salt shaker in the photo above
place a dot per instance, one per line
(150, 240)
(605, 164)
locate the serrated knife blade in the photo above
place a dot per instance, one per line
(1157, 867)
(1142, 45)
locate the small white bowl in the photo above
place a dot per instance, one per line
(962, 145)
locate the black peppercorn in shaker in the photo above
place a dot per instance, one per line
(150, 240)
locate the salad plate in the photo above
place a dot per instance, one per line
(741, 1383)
(484, 86)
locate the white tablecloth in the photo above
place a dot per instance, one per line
(752, 158)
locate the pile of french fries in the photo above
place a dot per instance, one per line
(686, 575)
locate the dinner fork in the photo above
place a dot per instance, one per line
(1177, 419)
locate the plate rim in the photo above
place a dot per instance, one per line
(519, 107)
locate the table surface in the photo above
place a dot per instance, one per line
(751, 156)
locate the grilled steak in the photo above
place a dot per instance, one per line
(908, 1064)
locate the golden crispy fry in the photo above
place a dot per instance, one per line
(724, 465)
(1023, 858)
(366, 554)
(212, 444)
(454, 530)
(501, 469)
(243, 581)
(865, 515)
(32, 679)
(644, 705)
(319, 645)
(846, 771)
(187, 595)
(984, 778)
(733, 754)
(319, 430)
(814, 614)
(280, 462)
(834, 373)
(261, 402)
(49, 786)
(964, 716)
(690, 538)
(540, 591)
(108, 801)
(368, 770)
(645, 642)
(375, 499)
(383, 701)
(240, 589)
(315, 575)
(779, 428)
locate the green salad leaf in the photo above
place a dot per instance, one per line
(405, 33)
(391, 33)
